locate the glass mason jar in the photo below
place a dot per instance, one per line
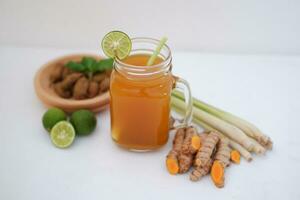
(141, 97)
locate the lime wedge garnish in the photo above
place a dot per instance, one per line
(62, 134)
(116, 44)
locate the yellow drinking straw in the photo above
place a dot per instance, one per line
(157, 51)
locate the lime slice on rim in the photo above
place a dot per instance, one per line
(62, 134)
(116, 44)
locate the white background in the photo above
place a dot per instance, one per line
(242, 56)
(253, 87)
(226, 26)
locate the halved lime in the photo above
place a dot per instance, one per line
(62, 134)
(116, 44)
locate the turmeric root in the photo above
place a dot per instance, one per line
(104, 85)
(217, 174)
(190, 146)
(185, 162)
(203, 160)
(199, 172)
(244, 152)
(235, 156)
(222, 160)
(56, 74)
(172, 162)
(185, 144)
(206, 150)
(191, 143)
(80, 90)
(223, 153)
(93, 89)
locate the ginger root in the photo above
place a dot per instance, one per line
(217, 174)
(172, 162)
(235, 156)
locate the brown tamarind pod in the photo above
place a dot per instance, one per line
(104, 85)
(93, 89)
(108, 72)
(69, 81)
(80, 90)
(66, 71)
(61, 92)
(99, 77)
(56, 73)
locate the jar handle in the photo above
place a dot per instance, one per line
(183, 85)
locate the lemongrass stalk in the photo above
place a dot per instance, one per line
(157, 51)
(229, 130)
(258, 148)
(246, 154)
(234, 145)
(246, 127)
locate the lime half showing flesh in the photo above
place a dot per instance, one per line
(116, 44)
(62, 134)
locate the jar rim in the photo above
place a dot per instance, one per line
(166, 61)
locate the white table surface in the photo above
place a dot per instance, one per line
(262, 89)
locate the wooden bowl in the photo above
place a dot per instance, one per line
(45, 92)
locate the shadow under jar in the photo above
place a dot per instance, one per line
(141, 97)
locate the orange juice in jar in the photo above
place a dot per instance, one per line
(140, 97)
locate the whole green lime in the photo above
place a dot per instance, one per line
(84, 122)
(52, 116)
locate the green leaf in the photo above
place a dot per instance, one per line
(76, 66)
(103, 65)
(88, 62)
